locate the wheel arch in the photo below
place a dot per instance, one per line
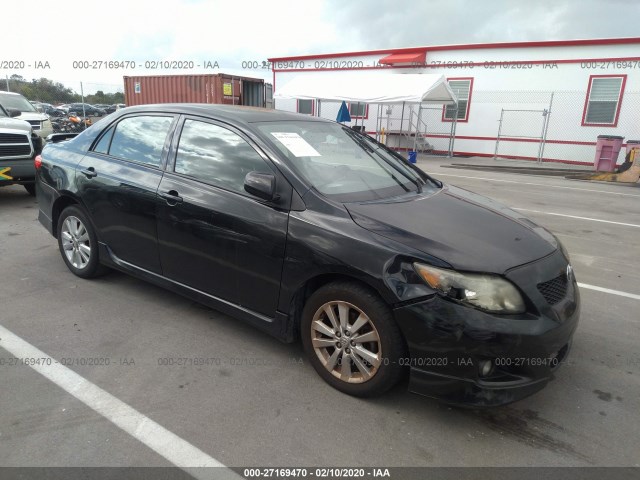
(65, 200)
(313, 284)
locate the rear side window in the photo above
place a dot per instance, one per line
(139, 139)
(216, 155)
(103, 144)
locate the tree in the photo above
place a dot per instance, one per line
(48, 91)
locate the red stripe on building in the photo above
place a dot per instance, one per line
(473, 46)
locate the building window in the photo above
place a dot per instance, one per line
(359, 110)
(604, 96)
(305, 106)
(462, 87)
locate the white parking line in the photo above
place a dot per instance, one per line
(608, 290)
(536, 184)
(580, 218)
(167, 444)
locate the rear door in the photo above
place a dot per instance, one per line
(118, 181)
(213, 236)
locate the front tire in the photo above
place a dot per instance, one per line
(352, 339)
(78, 243)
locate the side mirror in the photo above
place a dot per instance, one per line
(13, 112)
(261, 185)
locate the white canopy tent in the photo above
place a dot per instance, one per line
(377, 88)
(370, 88)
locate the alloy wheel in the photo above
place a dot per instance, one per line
(76, 242)
(346, 342)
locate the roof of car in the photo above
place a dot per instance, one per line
(232, 113)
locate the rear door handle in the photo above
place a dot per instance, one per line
(172, 198)
(89, 172)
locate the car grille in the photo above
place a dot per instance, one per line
(12, 138)
(14, 150)
(35, 124)
(555, 289)
(14, 145)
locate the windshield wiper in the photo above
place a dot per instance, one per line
(369, 149)
(421, 174)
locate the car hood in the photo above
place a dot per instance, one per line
(28, 116)
(14, 124)
(468, 231)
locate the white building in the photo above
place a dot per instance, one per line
(554, 97)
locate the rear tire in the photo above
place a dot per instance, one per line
(30, 188)
(352, 339)
(78, 243)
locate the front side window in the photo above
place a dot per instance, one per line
(140, 139)
(216, 155)
(602, 105)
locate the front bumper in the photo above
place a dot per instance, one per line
(19, 171)
(449, 343)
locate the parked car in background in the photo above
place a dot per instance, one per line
(101, 106)
(86, 110)
(55, 112)
(64, 107)
(307, 229)
(18, 146)
(115, 107)
(38, 120)
(49, 109)
(38, 106)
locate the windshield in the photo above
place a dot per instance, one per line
(17, 102)
(341, 163)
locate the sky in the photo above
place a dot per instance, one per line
(231, 32)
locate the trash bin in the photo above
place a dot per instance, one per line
(607, 150)
(631, 144)
(413, 156)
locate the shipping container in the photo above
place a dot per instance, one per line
(213, 88)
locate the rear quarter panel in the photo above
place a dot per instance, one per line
(56, 178)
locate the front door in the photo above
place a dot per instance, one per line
(213, 236)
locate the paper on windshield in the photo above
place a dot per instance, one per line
(296, 144)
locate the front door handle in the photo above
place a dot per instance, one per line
(89, 172)
(172, 198)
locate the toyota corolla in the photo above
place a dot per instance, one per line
(310, 230)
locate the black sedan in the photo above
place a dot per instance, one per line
(114, 107)
(309, 230)
(86, 110)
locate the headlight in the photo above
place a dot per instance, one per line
(487, 292)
